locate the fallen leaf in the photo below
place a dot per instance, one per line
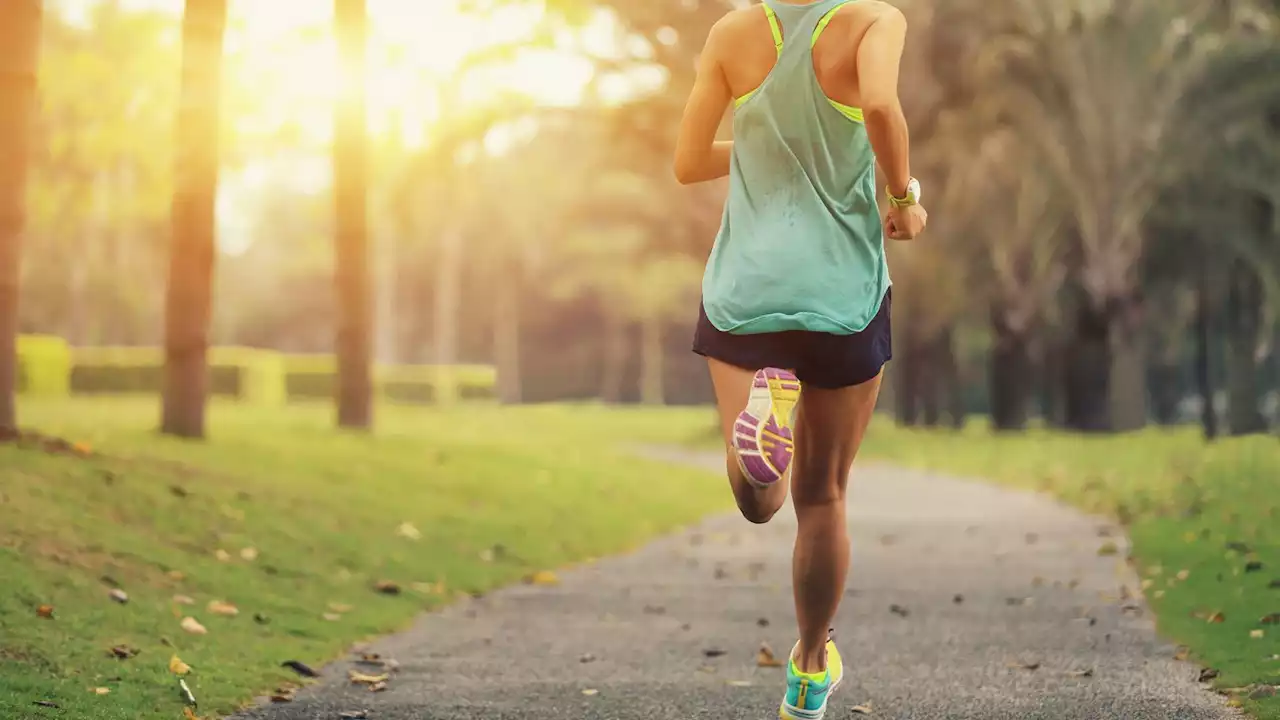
(332, 617)
(189, 714)
(958, 599)
(762, 622)
(740, 683)
(45, 611)
(543, 577)
(340, 607)
(183, 600)
(249, 554)
(300, 668)
(1088, 673)
(225, 609)
(386, 587)
(1216, 618)
(590, 691)
(354, 715)
(713, 652)
(193, 626)
(261, 619)
(1182, 654)
(378, 687)
(101, 691)
(177, 667)
(1274, 584)
(46, 703)
(864, 709)
(486, 555)
(1207, 674)
(1184, 574)
(407, 530)
(1023, 665)
(363, 679)
(222, 555)
(1272, 619)
(1257, 634)
(1108, 549)
(1253, 566)
(119, 596)
(587, 658)
(1157, 594)
(186, 692)
(766, 658)
(899, 610)
(283, 695)
(177, 575)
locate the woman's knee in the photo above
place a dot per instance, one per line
(819, 483)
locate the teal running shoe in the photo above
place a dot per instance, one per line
(808, 693)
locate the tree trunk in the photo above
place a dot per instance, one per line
(1204, 360)
(354, 336)
(1127, 384)
(907, 387)
(1052, 375)
(1011, 375)
(949, 366)
(652, 365)
(1245, 299)
(614, 360)
(506, 336)
(19, 59)
(1088, 376)
(189, 301)
(447, 309)
(1166, 391)
(928, 383)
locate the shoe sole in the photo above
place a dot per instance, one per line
(763, 440)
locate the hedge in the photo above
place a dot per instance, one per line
(47, 365)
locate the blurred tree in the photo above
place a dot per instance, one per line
(19, 56)
(353, 343)
(188, 305)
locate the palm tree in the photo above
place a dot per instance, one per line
(19, 59)
(188, 304)
(351, 254)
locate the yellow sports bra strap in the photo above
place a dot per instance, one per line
(826, 20)
(775, 27)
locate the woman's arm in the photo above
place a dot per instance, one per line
(698, 156)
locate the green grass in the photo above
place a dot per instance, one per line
(536, 488)
(1184, 503)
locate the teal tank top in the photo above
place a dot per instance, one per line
(801, 245)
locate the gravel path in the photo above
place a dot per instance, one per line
(958, 590)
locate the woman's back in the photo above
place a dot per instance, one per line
(801, 246)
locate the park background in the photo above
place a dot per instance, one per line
(440, 296)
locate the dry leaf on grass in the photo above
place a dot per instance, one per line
(222, 555)
(407, 530)
(45, 611)
(590, 691)
(189, 714)
(766, 658)
(249, 554)
(122, 652)
(183, 600)
(864, 709)
(1257, 634)
(225, 609)
(1216, 618)
(177, 667)
(193, 626)
(187, 695)
(119, 596)
(283, 695)
(1272, 619)
(340, 607)
(543, 577)
(386, 587)
(332, 617)
(101, 691)
(1108, 549)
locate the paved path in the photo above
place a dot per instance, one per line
(975, 594)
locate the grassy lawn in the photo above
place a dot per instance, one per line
(1204, 520)
(294, 524)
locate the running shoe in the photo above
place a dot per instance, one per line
(808, 693)
(762, 437)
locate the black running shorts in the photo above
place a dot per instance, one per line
(820, 359)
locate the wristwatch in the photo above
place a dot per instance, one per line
(911, 198)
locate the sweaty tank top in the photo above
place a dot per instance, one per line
(801, 246)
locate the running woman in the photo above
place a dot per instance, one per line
(796, 296)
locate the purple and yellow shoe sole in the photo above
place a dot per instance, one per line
(763, 440)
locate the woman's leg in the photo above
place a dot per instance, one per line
(834, 423)
(733, 388)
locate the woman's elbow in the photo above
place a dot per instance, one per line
(685, 171)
